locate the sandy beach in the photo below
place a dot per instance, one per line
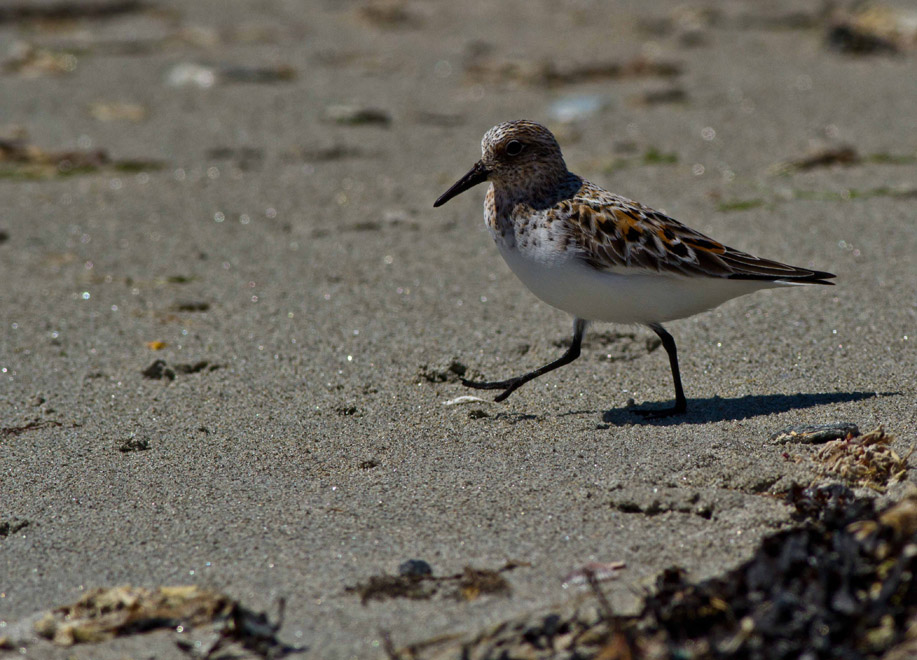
(232, 325)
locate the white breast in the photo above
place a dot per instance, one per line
(558, 277)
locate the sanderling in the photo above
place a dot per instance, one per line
(600, 256)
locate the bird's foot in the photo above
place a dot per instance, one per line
(508, 386)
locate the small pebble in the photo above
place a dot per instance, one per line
(188, 74)
(415, 568)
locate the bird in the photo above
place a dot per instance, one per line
(599, 256)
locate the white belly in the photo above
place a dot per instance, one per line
(567, 283)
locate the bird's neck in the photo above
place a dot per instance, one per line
(537, 192)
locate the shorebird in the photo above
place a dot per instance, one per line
(600, 256)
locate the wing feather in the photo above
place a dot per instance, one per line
(611, 232)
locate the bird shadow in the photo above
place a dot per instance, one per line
(717, 409)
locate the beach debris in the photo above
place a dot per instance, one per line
(103, 614)
(347, 411)
(195, 367)
(901, 518)
(12, 525)
(774, 601)
(156, 345)
(117, 111)
(66, 10)
(466, 398)
(598, 571)
(477, 582)
(159, 370)
(850, 39)
(191, 306)
(448, 371)
(4, 236)
(205, 76)
(31, 61)
(191, 74)
(134, 444)
(17, 152)
(357, 115)
(21, 160)
(577, 107)
(895, 525)
(31, 426)
(256, 74)
(865, 461)
(387, 14)
(414, 583)
(815, 433)
(255, 632)
(384, 587)
(873, 28)
(842, 585)
(549, 74)
(823, 502)
(844, 155)
(414, 567)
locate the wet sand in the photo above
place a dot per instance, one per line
(280, 254)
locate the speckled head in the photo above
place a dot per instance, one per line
(515, 154)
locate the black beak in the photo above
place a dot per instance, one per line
(477, 174)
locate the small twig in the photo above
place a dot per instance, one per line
(607, 610)
(31, 426)
(388, 645)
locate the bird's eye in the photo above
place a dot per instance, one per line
(513, 148)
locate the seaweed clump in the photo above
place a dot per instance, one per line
(841, 585)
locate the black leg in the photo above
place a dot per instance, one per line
(681, 404)
(511, 385)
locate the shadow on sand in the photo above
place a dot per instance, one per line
(716, 409)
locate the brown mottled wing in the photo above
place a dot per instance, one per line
(613, 232)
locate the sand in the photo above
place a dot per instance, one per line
(308, 300)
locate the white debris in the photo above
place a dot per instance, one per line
(459, 400)
(188, 73)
